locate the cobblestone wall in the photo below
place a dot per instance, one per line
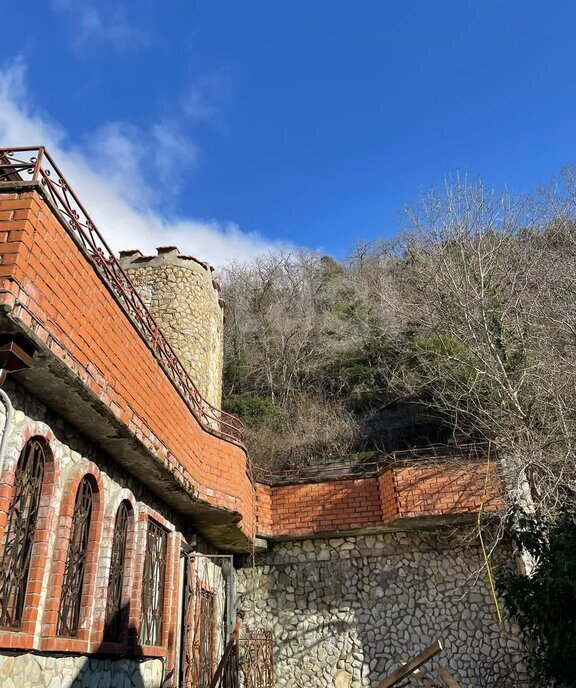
(73, 454)
(44, 671)
(181, 295)
(352, 609)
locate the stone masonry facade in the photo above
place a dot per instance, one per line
(39, 671)
(354, 608)
(185, 300)
(128, 663)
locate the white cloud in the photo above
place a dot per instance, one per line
(207, 96)
(121, 181)
(92, 25)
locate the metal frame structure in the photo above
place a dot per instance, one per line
(256, 658)
(114, 614)
(205, 640)
(204, 575)
(35, 164)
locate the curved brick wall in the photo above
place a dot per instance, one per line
(50, 288)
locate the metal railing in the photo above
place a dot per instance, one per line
(35, 164)
(364, 469)
(256, 658)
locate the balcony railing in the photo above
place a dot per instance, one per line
(35, 164)
(345, 470)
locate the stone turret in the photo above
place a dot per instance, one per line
(185, 300)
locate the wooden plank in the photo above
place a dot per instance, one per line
(231, 646)
(423, 679)
(416, 662)
(447, 678)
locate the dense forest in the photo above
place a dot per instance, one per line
(461, 328)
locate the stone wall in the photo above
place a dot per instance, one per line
(111, 664)
(180, 293)
(47, 671)
(357, 607)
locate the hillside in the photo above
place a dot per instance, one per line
(462, 328)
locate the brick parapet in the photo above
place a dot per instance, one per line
(52, 289)
(397, 496)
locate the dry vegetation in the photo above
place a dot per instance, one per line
(469, 317)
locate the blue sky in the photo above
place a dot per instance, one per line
(232, 127)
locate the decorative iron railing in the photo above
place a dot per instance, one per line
(256, 658)
(35, 164)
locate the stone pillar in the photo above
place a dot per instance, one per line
(185, 300)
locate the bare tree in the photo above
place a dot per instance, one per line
(486, 291)
(470, 314)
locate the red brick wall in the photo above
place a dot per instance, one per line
(327, 507)
(445, 489)
(264, 517)
(399, 492)
(388, 496)
(55, 290)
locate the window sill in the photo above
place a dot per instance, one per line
(16, 640)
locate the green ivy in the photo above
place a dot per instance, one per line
(544, 603)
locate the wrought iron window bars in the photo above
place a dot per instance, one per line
(74, 570)
(153, 580)
(115, 613)
(19, 533)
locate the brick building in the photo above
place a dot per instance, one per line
(131, 526)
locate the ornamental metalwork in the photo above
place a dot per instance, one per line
(153, 579)
(19, 533)
(75, 568)
(208, 615)
(205, 640)
(35, 164)
(115, 612)
(256, 659)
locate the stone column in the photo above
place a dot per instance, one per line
(185, 300)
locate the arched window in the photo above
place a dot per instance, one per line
(69, 614)
(19, 533)
(115, 615)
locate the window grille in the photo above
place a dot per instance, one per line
(153, 580)
(19, 533)
(70, 602)
(115, 615)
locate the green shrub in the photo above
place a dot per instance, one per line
(255, 412)
(544, 603)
